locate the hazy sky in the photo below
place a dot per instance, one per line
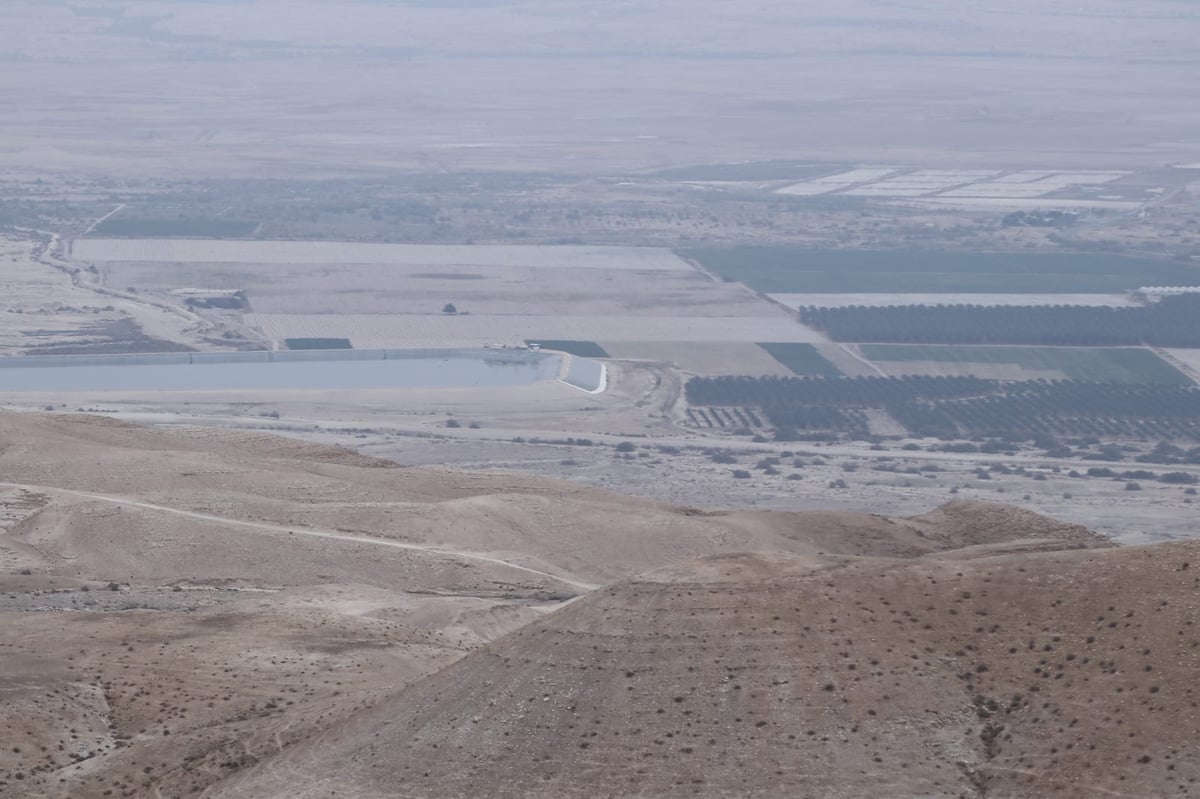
(193, 86)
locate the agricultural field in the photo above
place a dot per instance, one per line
(317, 343)
(1173, 321)
(476, 283)
(393, 296)
(439, 256)
(1189, 358)
(796, 270)
(798, 301)
(701, 358)
(919, 182)
(750, 171)
(956, 407)
(724, 419)
(498, 291)
(584, 349)
(801, 359)
(836, 182)
(1093, 364)
(981, 187)
(370, 331)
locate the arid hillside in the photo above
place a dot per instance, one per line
(87, 497)
(1065, 675)
(203, 613)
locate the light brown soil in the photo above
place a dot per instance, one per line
(313, 584)
(1064, 674)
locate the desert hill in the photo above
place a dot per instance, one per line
(89, 497)
(1063, 674)
(179, 606)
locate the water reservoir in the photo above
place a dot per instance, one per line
(324, 369)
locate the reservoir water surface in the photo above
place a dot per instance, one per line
(325, 369)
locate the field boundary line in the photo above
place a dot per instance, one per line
(862, 359)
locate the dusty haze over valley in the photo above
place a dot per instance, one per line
(258, 87)
(442, 398)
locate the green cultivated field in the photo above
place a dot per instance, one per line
(1092, 364)
(801, 359)
(317, 343)
(787, 270)
(584, 349)
(176, 228)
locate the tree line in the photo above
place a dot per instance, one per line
(1170, 322)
